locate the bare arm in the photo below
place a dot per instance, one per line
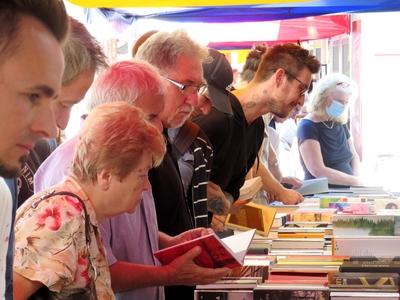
(23, 288)
(273, 187)
(273, 164)
(310, 151)
(182, 271)
(355, 163)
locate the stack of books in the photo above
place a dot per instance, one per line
(366, 278)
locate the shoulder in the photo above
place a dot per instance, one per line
(307, 129)
(55, 215)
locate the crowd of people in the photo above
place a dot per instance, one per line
(166, 144)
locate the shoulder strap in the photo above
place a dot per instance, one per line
(186, 136)
(54, 193)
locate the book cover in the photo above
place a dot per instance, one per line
(207, 294)
(313, 215)
(300, 224)
(301, 235)
(325, 201)
(227, 252)
(366, 225)
(335, 295)
(293, 292)
(364, 280)
(298, 243)
(314, 186)
(351, 208)
(386, 203)
(381, 265)
(379, 246)
(252, 215)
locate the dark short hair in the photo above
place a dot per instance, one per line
(290, 57)
(51, 13)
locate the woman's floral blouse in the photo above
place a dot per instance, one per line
(50, 245)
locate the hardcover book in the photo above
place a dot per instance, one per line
(366, 225)
(379, 246)
(361, 280)
(227, 252)
(252, 215)
(382, 265)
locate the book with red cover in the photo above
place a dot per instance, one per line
(216, 253)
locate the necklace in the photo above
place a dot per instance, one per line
(327, 126)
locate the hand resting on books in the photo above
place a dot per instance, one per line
(294, 182)
(184, 271)
(286, 196)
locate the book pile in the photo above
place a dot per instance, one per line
(366, 278)
(366, 235)
(305, 230)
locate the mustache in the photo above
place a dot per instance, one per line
(185, 109)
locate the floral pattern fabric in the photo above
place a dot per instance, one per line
(50, 245)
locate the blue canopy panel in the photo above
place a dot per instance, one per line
(253, 13)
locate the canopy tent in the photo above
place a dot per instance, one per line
(295, 30)
(205, 12)
(238, 35)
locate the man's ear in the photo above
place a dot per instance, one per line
(279, 77)
(104, 179)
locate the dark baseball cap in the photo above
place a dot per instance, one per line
(219, 75)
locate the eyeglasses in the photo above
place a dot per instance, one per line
(306, 88)
(188, 88)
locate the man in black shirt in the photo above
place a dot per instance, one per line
(281, 81)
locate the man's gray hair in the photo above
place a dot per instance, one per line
(125, 81)
(81, 52)
(162, 49)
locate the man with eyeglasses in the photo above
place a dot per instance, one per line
(279, 85)
(179, 60)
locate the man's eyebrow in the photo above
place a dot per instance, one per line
(45, 89)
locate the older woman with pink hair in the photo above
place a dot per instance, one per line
(58, 244)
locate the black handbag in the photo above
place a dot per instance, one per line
(44, 293)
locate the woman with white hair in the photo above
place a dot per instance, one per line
(325, 145)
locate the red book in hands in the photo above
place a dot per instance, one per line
(215, 252)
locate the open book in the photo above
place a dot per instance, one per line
(227, 252)
(253, 215)
(314, 186)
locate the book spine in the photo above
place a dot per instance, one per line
(365, 281)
